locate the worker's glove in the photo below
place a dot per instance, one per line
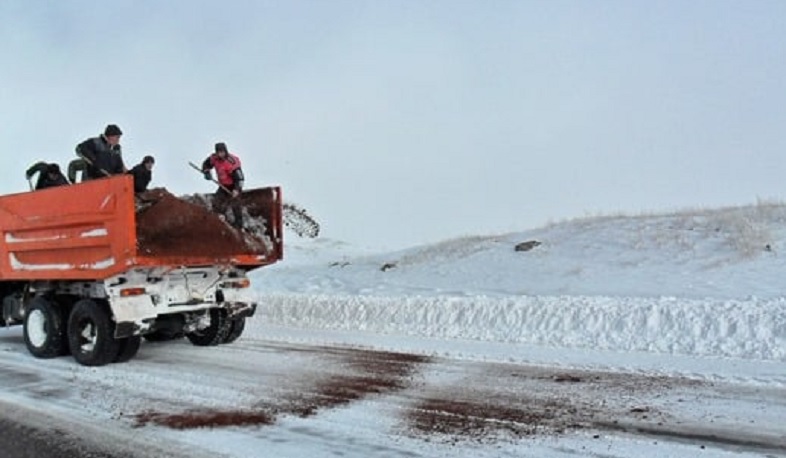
(207, 175)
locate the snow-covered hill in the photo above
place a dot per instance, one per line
(731, 253)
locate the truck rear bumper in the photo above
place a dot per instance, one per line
(235, 310)
(140, 296)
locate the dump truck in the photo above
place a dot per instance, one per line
(91, 268)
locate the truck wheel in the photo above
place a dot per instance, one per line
(213, 334)
(236, 329)
(91, 334)
(129, 346)
(44, 329)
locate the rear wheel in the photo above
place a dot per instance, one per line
(44, 328)
(215, 332)
(128, 347)
(236, 329)
(91, 334)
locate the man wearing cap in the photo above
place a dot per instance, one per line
(143, 173)
(102, 154)
(230, 181)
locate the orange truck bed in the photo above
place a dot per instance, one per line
(89, 231)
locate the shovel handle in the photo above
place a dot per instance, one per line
(90, 163)
(199, 169)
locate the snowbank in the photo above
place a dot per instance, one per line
(751, 329)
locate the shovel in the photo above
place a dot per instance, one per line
(199, 169)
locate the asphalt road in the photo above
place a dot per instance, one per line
(21, 440)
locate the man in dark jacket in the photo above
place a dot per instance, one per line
(143, 173)
(102, 154)
(49, 175)
(230, 182)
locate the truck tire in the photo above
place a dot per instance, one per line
(213, 334)
(236, 329)
(44, 328)
(91, 334)
(129, 346)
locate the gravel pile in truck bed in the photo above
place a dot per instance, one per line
(168, 225)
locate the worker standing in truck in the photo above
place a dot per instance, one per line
(102, 154)
(142, 173)
(230, 182)
(49, 175)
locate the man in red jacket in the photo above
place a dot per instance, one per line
(230, 179)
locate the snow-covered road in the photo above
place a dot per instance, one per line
(304, 392)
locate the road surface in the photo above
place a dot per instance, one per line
(273, 398)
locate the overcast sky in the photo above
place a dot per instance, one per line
(404, 122)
